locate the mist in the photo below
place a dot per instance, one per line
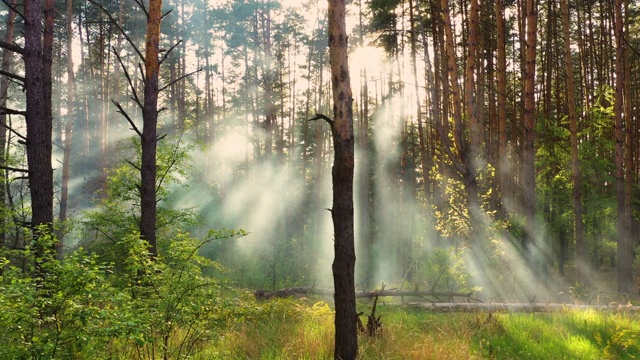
(257, 163)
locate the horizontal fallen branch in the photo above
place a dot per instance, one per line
(289, 292)
(516, 307)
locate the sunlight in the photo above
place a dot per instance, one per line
(366, 58)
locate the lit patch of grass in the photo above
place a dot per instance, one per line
(565, 335)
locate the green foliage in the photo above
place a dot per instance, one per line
(446, 270)
(118, 210)
(72, 310)
(114, 300)
(150, 307)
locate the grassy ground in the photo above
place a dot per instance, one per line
(298, 330)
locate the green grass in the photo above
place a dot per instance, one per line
(298, 330)
(565, 335)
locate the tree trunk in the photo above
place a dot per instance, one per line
(149, 132)
(625, 246)
(501, 75)
(7, 57)
(424, 162)
(38, 114)
(472, 152)
(346, 340)
(467, 149)
(528, 151)
(270, 111)
(64, 189)
(581, 250)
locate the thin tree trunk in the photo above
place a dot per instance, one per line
(581, 250)
(64, 190)
(528, 152)
(424, 162)
(346, 340)
(268, 85)
(7, 57)
(501, 75)
(473, 151)
(625, 246)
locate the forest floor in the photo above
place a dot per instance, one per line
(302, 329)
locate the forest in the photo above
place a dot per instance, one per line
(215, 179)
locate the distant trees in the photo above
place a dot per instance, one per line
(500, 117)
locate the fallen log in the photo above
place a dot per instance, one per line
(299, 291)
(290, 292)
(409, 293)
(516, 307)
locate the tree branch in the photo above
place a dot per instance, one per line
(178, 79)
(12, 47)
(24, 138)
(166, 54)
(14, 169)
(7, 111)
(12, 76)
(165, 14)
(129, 81)
(114, 22)
(144, 9)
(133, 164)
(124, 113)
(13, 8)
(173, 160)
(322, 117)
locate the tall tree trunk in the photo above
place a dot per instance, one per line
(581, 250)
(501, 75)
(270, 111)
(625, 245)
(424, 162)
(528, 151)
(473, 151)
(346, 340)
(64, 189)
(628, 151)
(38, 116)
(149, 132)
(7, 57)
(467, 149)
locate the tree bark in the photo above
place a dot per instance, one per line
(7, 57)
(38, 114)
(625, 245)
(581, 250)
(64, 189)
(346, 340)
(528, 151)
(501, 76)
(149, 139)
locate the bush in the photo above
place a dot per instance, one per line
(83, 308)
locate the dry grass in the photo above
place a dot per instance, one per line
(294, 330)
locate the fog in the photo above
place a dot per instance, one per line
(405, 238)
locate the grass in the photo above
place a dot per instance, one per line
(287, 329)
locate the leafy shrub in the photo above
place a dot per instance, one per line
(83, 308)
